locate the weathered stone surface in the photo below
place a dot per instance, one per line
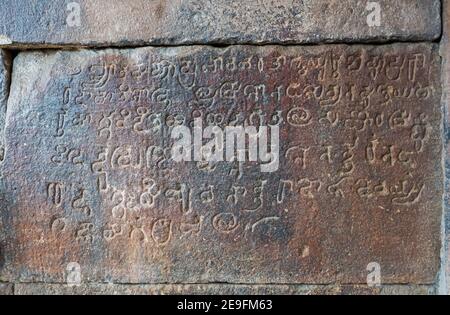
(91, 181)
(170, 289)
(445, 52)
(140, 22)
(5, 63)
(216, 289)
(6, 288)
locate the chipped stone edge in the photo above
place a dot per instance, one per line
(5, 40)
(6, 65)
(219, 41)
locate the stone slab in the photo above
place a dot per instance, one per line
(162, 22)
(216, 289)
(93, 194)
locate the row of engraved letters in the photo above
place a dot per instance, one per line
(248, 198)
(328, 65)
(130, 221)
(156, 230)
(156, 157)
(254, 93)
(142, 121)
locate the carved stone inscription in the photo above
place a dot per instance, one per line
(91, 179)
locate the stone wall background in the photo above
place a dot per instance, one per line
(41, 25)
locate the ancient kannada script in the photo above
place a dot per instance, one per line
(91, 181)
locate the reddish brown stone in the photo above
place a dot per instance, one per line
(173, 22)
(90, 179)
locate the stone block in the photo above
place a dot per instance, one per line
(50, 23)
(94, 194)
